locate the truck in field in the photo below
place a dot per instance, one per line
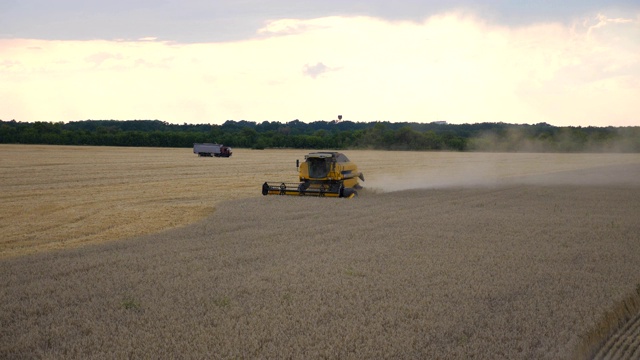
(207, 149)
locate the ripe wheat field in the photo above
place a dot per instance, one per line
(156, 253)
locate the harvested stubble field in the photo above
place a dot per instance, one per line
(518, 256)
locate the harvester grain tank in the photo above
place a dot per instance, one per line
(324, 173)
(207, 149)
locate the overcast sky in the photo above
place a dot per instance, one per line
(195, 61)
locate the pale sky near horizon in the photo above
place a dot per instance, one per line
(571, 63)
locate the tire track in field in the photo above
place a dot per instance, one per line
(617, 335)
(624, 343)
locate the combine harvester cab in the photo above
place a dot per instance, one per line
(321, 174)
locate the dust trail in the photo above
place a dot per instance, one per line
(610, 175)
(480, 175)
(490, 170)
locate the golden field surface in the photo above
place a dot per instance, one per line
(157, 253)
(64, 196)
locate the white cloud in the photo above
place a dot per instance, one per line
(602, 21)
(450, 67)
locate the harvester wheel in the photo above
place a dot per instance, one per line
(349, 192)
(265, 188)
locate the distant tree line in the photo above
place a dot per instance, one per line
(540, 137)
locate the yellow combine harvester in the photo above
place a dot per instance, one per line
(322, 173)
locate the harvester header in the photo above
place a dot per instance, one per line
(324, 173)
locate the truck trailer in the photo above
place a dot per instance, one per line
(207, 149)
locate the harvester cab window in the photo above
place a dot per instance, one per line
(318, 167)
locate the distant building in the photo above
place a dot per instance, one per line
(439, 122)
